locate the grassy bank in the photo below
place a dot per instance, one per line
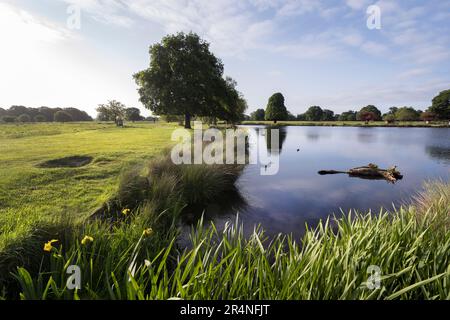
(404, 124)
(30, 194)
(137, 259)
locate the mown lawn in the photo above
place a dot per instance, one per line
(29, 193)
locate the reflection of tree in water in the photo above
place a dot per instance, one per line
(366, 137)
(282, 134)
(230, 202)
(312, 136)
(438, 152)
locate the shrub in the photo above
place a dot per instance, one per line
(24, 118)
(62, 116)
(8, 119)
(40, 118)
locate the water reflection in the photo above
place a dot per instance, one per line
(367, 136)
(439, 153)
(282, 134)
(297, 194)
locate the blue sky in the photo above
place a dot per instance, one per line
(315, 52)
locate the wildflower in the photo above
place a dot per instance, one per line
(126, 212)
(48, 245)
(147, 232)
(86, 240)
(147, 263)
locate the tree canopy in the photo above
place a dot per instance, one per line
(133, 114)
(185, 78)
(441, 105)
(276, 110)
(314, 113)
(111, 111)
(258, 115)
(62, 116)
(363, 113)
(406, 114)
(41, 114)
(347, 116)
(327, 115)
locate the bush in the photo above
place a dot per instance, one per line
(62, 116)
(24, 118)
(8, 119)
(40, 118)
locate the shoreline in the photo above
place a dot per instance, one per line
(381, 124)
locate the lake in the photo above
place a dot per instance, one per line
(297, 194)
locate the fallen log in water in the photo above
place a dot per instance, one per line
(371, 171)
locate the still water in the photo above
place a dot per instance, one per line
(297, 194)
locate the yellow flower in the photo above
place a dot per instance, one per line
(126, 212)
(147, 232)
(147, 263)
(86, 240)
(48, 245)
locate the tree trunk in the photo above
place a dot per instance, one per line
(187, 120)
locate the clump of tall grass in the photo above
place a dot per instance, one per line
(411, 248)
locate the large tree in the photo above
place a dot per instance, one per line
(363, 113)
(184, 77)
(229, 103)
(276, 110)
(441, 105)
(314, 113)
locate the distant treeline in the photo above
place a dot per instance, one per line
(42, 114)
(277, 111)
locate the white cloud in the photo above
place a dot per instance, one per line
(42, 63)
(357, 4)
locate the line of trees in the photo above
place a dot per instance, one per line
(43, 114)
(277, 111)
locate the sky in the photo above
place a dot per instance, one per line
(315, 52)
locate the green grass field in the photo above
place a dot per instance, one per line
(351, 123)
(29, 193)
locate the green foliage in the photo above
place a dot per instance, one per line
(24, 118)
(427, 116)
(331, 261)
(258, 115)
(327, 115)
(40, 118)
(133, 114)
(184, 78)
(291, 117)
(347, 116)
(9, 119)
(441, 105)
(42, 114)
(276, 110)
(62, 116)
(406, 114)
(111, 111)
(314, 113)
(369, 112)
(389, 117)
(77, 115)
